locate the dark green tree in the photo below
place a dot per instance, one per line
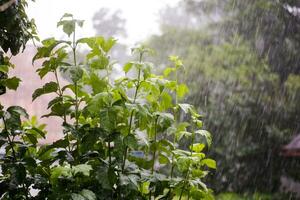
(16, 28)
(250, 106)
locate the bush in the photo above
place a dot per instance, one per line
(121, 137)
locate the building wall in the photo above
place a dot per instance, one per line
(23, 96)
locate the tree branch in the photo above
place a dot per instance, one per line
(6, 5)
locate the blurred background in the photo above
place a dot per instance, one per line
(242, 66)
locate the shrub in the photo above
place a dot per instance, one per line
(121, 137)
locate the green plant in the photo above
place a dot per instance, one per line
(122, 138)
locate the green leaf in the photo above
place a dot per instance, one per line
(207, 136)
(98, 85)
(209, 163)
(83, 169)
(32, 138)
(66, 15)
(68, 26)
(80, 23)
(18, 110)
(57, 144)
(175, 59)
(182, 90)
(76, 73)
(183, 163)
(198, 147)
(99, 101)
(49, 45)
(168, 70)
(4, 68)
(98, 44)
(59, 109)
(12, 83)
(60, 171)
(166, 101)
(46, 89)
(164, 159)
(88, 194)
(127, 67)
(54, 101)
(101, 62)
(77, 197)
(40, 132)
(108, 44)
(185, 107)
(131, 141)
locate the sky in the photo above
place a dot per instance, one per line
(141, 15)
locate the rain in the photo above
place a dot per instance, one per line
(241, 65)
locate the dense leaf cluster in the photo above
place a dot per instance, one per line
(121, 137)
(16, 28)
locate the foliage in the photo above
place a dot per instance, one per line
(251, 112)
(121, 138)
(110, 23)
(234, 196)
(271, 30)
(255, 196)
(16, 29)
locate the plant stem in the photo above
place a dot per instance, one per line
(109, 151)
(188, 172)
(154, 151)
(183, 187)
(76, 88)
(132, 112)
(76, 104)
(9, 140)
(60, 93)
(75, 83)
(175, 120)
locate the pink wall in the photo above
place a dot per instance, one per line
(22, 97)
